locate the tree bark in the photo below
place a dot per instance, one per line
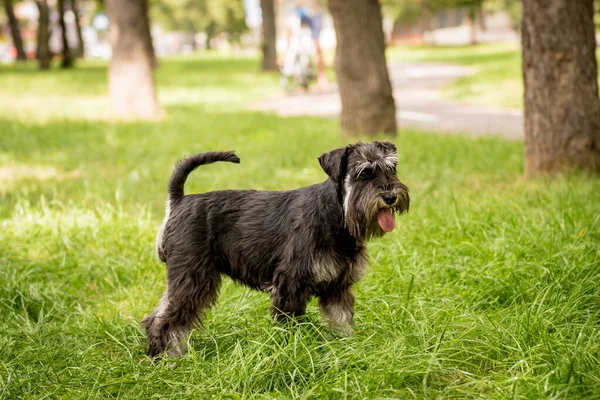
(15, 31)
(80, 52)
(367, 102)
(67, 56)
(562, 108)
(130, 77)
(43, 35)
(269, 39)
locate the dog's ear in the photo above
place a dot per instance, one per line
(334, 163)
(387, 147)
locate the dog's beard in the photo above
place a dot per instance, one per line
(369, 217)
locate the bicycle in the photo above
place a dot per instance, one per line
(298, 66)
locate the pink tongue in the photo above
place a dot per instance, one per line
(386, 220)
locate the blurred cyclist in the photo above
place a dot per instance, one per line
(310, 14)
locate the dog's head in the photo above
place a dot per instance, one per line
(369, 188)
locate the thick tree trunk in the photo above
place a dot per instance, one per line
(130, 79)
(80, 51)
(269, 39)
(367, 101)
(43, 49)
(562, 109)
(67, 56)
(15, 32)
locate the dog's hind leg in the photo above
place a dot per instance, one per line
(191, 291)
(337, 307)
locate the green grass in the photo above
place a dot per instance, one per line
(488, 288)
(496, 82)
(497, 79)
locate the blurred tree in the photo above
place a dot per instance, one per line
(67, 56)
(43, 53)
(209, 16)
(597, 14)
(511, 7)
(562, 108)
(229, 17)
(367, 101)
(406, 10)
(269, 36)
(210, 31)
(475, 10)
(15, 31)
(411, 10)
(80, 45)
(179, 15)
(130, 74)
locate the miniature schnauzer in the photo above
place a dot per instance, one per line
(293, 244)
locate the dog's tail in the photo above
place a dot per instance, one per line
(187, 165)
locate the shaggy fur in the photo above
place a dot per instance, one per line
(293, 244)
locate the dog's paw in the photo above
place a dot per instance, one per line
(343, 329)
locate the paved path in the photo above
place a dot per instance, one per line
(417, 90)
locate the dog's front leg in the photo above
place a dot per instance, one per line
(337, 307)
(288, 299)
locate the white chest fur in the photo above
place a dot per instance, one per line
(329, 268)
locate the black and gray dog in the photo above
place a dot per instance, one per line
(293, 244)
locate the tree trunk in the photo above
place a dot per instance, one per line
(367, 101)
(15, 32)
(80, 52)
(269, 39)
(473, 23)
(67, 61)
(130, 79)
(562, 109)
(426, 24)
(210, 31)
(482, 18)
(43, 35)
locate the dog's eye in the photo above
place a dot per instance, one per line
(365, 173)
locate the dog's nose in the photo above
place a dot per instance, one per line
(389, 198)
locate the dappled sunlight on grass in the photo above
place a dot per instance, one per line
(12, 174)
(212, 80)
(484, 89)
(43, 108)
(211, 97)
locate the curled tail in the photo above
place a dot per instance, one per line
(175, 189)
(187, 165)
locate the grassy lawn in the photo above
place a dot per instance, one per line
(488, 288)
(497, 80)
